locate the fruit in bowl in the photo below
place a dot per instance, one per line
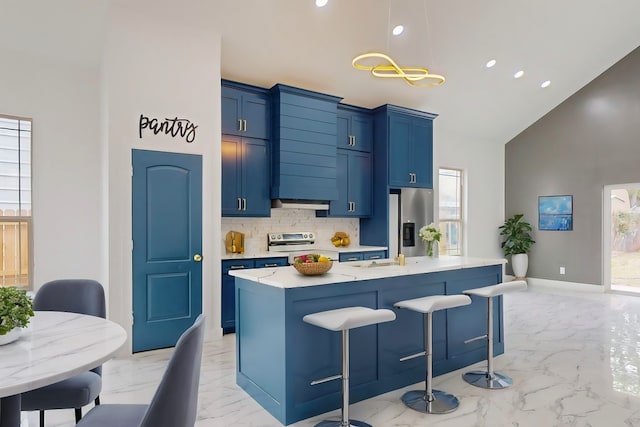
(312, 264)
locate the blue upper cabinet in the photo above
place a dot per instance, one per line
(246, 130)
(304, 144)
(355, 128)
(246, 110)
(406, 140)
(354, 185)
(245, 177)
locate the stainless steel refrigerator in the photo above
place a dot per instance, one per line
(409, 210)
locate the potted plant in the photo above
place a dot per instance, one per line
(16, 308)
(517, 243)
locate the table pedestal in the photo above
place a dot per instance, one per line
(10, 411)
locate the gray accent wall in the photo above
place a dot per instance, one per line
(590, 140)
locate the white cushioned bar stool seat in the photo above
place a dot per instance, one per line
(343, 319)
(489, 378)
(430, 401)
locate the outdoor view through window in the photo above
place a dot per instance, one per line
(451, 219)
(15, 201)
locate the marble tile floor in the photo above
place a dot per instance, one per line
(574, 358)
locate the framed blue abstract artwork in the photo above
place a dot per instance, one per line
(555, 213)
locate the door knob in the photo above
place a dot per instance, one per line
(197, 257)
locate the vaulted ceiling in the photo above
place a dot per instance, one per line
(569, 42)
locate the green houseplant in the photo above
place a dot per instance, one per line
(16, 308)
(517, 243)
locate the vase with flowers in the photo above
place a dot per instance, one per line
(430, 234)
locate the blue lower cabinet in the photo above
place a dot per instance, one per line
(279, 355)
(228, 294)
(362, 256)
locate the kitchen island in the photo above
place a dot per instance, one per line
(279, 355)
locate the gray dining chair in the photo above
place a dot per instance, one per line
(82, 296)
(175, 401)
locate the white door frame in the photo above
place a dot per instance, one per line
(606, 234)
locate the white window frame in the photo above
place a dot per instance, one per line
(460, 219)
(11, 224)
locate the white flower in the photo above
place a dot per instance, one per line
(430, 233)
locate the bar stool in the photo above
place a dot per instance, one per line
(429, 401)
(343, 319)
(490, 379)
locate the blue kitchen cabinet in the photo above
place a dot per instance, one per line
(246, 110)
(228, 291)
(362, 256)
(245, 177)
(355, 128)
(304, 144)
(405, 140)
(354, 185)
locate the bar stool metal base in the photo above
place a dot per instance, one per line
(443, 402)
(483, 380)
(352, 423)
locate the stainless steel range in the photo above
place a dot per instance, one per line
(295, 243)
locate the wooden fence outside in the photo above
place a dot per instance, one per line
(14, 259)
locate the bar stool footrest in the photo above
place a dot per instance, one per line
(354, 423)
(442, 403)
(483, 380)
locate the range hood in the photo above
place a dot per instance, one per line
(316, 205)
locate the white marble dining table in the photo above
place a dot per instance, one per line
(54, 346)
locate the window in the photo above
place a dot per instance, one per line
(15, 201)
(450, 214)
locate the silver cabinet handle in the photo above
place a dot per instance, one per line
(354, 140)
(271, 265)
(375, 257)
(353, 259)
(239, 200)
(245, 125)
(244, 204)
(240, 125)
(236, 267)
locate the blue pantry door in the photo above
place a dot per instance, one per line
(167, 246)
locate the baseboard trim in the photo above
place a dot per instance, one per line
(561, 285)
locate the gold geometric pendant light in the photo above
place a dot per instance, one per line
(414, 76)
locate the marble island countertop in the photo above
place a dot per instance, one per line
(288, 277)
(328, 249)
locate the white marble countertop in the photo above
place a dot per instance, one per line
(288, 277)
(328, 249)
(56, 346)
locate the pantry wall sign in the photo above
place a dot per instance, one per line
(175, 127)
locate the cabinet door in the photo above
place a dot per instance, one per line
(340, 206)
(421, 157)
(344, 131)
(231, 111)
(255, 178)
(257, 113)
(272, 262)
(399, 151)
(373, 255)
(362, 131)
(228, 293)
(231, 175)
(360, 181)
(350, 256)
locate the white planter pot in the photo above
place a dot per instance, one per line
(520, 264)
(10, 336)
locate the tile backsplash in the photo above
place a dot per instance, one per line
(256, 229)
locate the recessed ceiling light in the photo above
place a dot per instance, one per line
(321, 3)
(518, 74)
(545, 83)
(491, 63)
(397, 30)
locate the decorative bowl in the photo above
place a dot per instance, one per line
(313, 268)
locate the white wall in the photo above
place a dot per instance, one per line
(67, 173)
(483, 166)
(160, 68)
